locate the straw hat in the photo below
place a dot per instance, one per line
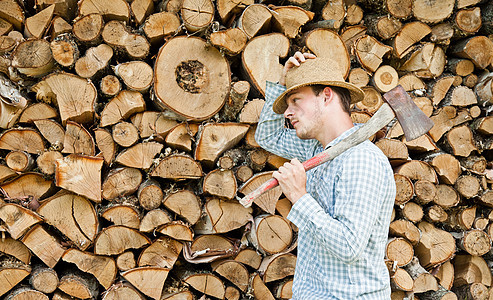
(313, 71)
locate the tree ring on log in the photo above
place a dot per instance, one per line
(183, 72)
(191, 76)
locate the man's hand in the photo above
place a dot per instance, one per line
(292, 179)
(293, 61)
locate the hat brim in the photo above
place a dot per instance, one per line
(355, 92)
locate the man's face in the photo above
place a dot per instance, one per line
(304, 112)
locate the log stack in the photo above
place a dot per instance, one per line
(127, 135)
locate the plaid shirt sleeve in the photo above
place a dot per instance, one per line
(273, 136)
(359, 190)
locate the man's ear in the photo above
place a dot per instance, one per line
(328, 93)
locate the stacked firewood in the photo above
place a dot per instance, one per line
(128, 136)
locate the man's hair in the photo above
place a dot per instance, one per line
(341, 92)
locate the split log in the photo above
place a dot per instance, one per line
(233, 271)
(436, 214)
(44, 279)
(37, 111)
(160, 25)
(446, 118)
(18, 219)
(105, 143)
(27, 187)
(484, 88)
(432, 12)
(33, 58)
(122, 290)
(154, 219)
(260, 290)
(73, 215)
(384, 27)
(36, 25)
(126, 261)
(172, 81)
(289, 19)
(393, 149)
(78, 284)
(122, 214)
(447, 167)
(177, 230)
(141, 9)
(222, 216)
(152, 123)
(271, 47)
(148, 280)
(44, 245)
(216, 138)
(137, 75)
(423, 280)
(445, 275)
(459, 141)
(400, 280)
(78, 140)
(470, 269)
(475, 242)
(358, 77)
(206, 283)
(15, 249)
(53, 132)
(163, 253)
(181, 136)
(220, 183)
(178, 167)
(125, 104)
(232, 41)
(410, 34)
(475, 291)
(184, 203)
(406, 229)
(227, 9)
(140, 155)
(11, 274)
(285, 289)
(477, 48)
(417, 170)
(116, 239)
(12, 13)
(370, 52)
(81, 175)
(103, 268)
(250, 112)
(266, 201)
(326, 43)
(121, 181)
(255, 20)
(425, 61)
(88, 28)
(249, 257)
(22, 139)
(74, 96)
(59, 26)
(94, 61)
(210, 244)
(277, 266)
(111, 10)
(118, 36)
(270, 234)
(429, 255)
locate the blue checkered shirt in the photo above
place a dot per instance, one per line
(343, 219)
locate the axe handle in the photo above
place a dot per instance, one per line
(381, 118)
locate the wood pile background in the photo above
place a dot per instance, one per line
(127, 135)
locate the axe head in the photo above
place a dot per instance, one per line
(413, 121)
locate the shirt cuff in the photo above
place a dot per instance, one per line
(302, 211)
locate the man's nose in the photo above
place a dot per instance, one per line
(288, 112)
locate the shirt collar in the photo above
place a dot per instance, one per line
(343, 135)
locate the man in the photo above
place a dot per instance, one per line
(342, 208)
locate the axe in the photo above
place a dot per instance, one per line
(398, 104)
